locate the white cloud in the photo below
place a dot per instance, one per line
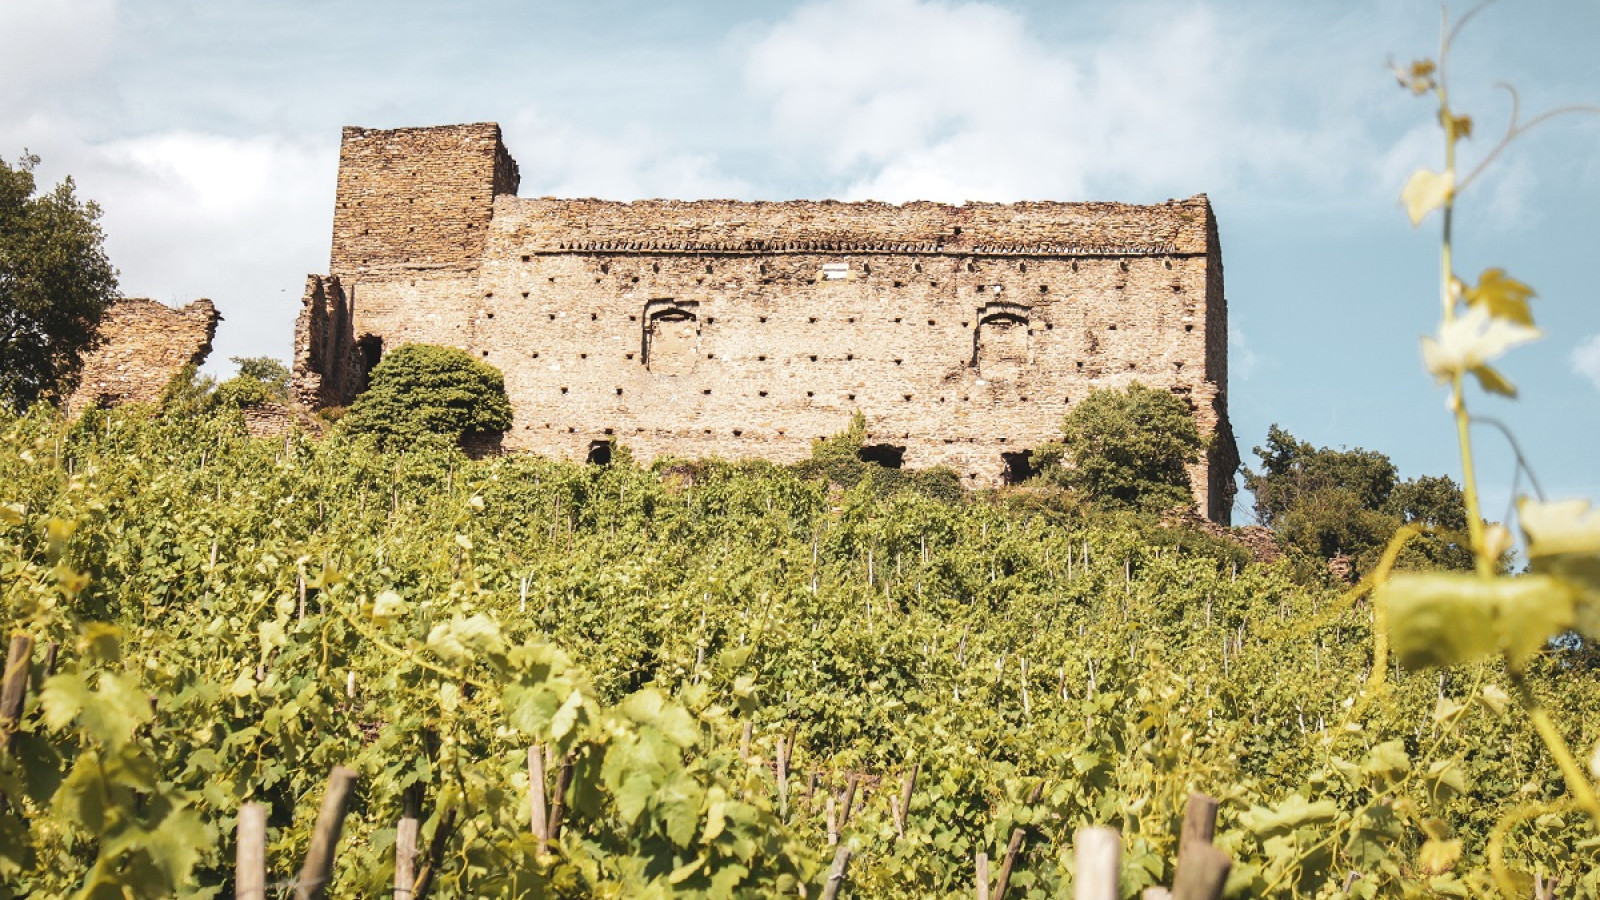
(1586, 359)
(48, 44)
(561, 160)
(924, 99)
(241, 220)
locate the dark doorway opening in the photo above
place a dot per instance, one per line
(1018, 466)
(369, 350)
(599, 453)
(885, 455)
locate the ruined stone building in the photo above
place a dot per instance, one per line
(731, 329)
(143, 345)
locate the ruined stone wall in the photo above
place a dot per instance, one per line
(718, 328)
(327, 368)
(143, 345)
(417, 197)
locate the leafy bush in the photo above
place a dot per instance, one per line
(421, 389)
(1324, 502)
(271, 373)
(1128, 449)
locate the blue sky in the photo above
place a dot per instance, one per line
(209, 132)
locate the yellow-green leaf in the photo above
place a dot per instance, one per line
(1445, 619)
(1438, 857)
(1503, 296)
(1564, 542)
(1425, 192)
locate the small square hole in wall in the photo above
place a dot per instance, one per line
(611, 431)
(1080, 363)
(930, 322)
(563, 390)
(812, 320)
(813, 357)
(811, 393)
(490, 315)
(619, 391)
(738, 432)
(633, 318)
(1188, 328)
(897, 320)
(706, 431)
(655, 267)
(1111, 328)
(524, 295)
(484, 353)
(708, 268)
(763, 319)
(572, 431)
(851, 320)
(710, 320)
(594, 317)
(628, 355)
(527, 259)
(963, 324)
(899, 284)
(552, 317)
(535, 354)
(761, 359)
(761, 393)
(850, 396)
(1044, 288)
(917, 267)
(552, 279)
(635, 279)
(907, 397)
(1023, 399)
(707, 392)
(898, 361)
(1049, 327)
(583, 356)
(933, 284)
(849, 356)
(711, 356)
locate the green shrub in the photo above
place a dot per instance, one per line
(244, 391)
(1129, 449)
(420, 389)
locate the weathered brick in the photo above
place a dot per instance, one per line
(733, 329)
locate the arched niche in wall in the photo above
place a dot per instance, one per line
(1000, 347)
(670, 344)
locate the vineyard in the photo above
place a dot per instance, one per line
(708, 677)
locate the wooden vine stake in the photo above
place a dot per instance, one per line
(982, 871)
(1099, 863)
(558, 802)
(250, 860)
(1201, 874)
(538, 814)
(1014, 849)
(833, 821)
(785, 746)
(1199, 823)
(313, 880)
(903, 811)
(849, 798)
(14, 687)
(405, 847)
(1202, 868)
(841, 859)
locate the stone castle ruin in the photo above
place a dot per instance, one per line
(719, 328)
(143, 345)
(736, 330)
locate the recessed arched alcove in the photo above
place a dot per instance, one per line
(670, 339)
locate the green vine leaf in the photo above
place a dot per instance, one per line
(1447, 619)
(1564, 542)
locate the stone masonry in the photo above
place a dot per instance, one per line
(732, 329)
(143, 345)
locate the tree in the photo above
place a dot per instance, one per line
(1130, 449)
(1323, 502)
(55, 284)
(421, 389)
(271, 373)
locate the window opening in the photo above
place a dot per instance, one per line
(885, 455)
(670, 338)
(599, 453)
(1017, 466)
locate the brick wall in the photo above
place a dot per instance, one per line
(143, 344)
(729, 329)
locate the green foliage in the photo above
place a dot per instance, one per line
(1128, 449)
(270, 373)
(244, 390)
(635, 619)
(838, 460)
(420, 389)
(55, 283)
(1323, 502)
(189, 394)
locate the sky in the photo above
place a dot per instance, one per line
(208, 132)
